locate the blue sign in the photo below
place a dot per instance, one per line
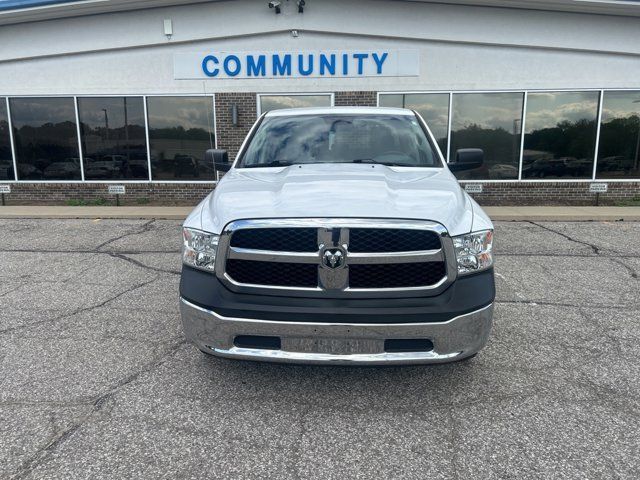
(297, 64)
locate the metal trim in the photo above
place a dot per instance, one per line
(11, 141)
(597, 143)
(459, 337)
(146, 135)
(449, 123)
(339, 285)
(523, 122)
(79, 133)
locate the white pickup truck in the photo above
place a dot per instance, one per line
(339, 235)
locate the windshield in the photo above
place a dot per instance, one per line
(394, 140)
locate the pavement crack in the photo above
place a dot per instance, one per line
(595, 248)
(140, 264)
(97, 405)
(629, 268)
(77, 311)
(145, 227)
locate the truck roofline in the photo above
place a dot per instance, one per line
(339, 111)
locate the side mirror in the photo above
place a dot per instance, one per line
(466, 159)
(218, 158)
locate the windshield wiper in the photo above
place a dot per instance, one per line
(274, 163)
(388, 164)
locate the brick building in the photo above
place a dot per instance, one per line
(96, 93)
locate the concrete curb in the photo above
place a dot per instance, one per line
(161, 213)
(535, 214)
(564, 214)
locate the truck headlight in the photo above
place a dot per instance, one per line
(473, 251)
(199, 249)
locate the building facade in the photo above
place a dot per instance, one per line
(97, 93)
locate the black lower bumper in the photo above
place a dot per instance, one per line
(465, 295)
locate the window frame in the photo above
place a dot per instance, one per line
(12, 139)
(146, 120)
(593, 178)
(215, 136)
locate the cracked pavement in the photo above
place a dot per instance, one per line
(96, 380)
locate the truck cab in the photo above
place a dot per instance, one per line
(339, 235)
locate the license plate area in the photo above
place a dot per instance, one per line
(335, 346)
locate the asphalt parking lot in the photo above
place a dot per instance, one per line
(96, 380)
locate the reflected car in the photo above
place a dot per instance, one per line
(547, 167)
(97, 169)
(503, 171)
(26, 171)
(6, 169)
(139, 167)
(582, 167)
(185, 164)
(69, 169)
(612, 164)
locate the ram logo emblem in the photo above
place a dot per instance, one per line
(333, 258)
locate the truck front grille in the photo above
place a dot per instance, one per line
(279, 239)
(334, 257)
(396, 275)
(376, 240)
(253, 272)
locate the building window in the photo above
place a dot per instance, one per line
(492, 122)
(181, 129)
(619, 149)
(113, 138)
(560, 135)
(433, 107)
(45, 138)
(276, 102)
(6, 159)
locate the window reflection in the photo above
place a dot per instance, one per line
(113, 138)
(560, 135)
(619, 149)
(276, 102)
(433, 107)
(6, 160)
(492, 122)
(181, 129)
(46, 138)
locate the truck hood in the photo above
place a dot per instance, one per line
(344, 190)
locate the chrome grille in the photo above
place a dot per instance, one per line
(279, 239)
(336, 257)
(392, 240)
(395, 275)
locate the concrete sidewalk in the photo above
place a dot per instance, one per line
(178, 213)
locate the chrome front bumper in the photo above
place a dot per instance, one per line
(321, 343)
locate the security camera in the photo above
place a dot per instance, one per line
(301, 4)
(275, 5)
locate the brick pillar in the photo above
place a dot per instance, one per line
(230, 137)
(356, 99)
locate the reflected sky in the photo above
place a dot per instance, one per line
(620, 105)
(92, 111)
(547, 109)
(39, 111)
(487, 110)
(189, 112)
(276, 102)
